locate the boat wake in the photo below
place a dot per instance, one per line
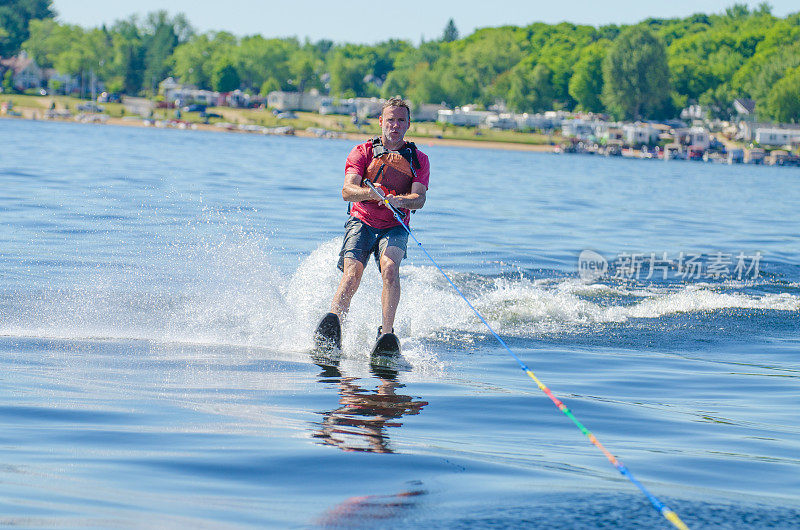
(230, 294)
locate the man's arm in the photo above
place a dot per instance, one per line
(353, 191)
(410, 201)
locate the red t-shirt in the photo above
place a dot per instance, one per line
(374, 213)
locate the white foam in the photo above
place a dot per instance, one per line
(523, 306)
(696, 299)
(226, 291)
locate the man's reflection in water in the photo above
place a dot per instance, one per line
(360, 422)
(370, 511)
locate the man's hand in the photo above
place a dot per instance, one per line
(394, 201)
(388, 195)
(383, 192)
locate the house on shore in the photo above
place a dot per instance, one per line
(612, 134)
(535, 121)
(25, 73)
(747, 130)
(697, 137)
(426, 111)
(172, 89)
(579, 128)
(640, 133)
(138, 106)
(778, 136)
(501, 122)
(745, 108)
(755, 155)
(239, 99)
(361, 107)
(336, 106)
(465, 116)
(179, 94)
(305, 101)
(368, 107)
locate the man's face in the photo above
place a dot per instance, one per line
(394, 124)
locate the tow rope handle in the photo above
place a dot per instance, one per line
(384, 200)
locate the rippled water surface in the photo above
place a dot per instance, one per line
(159, 289)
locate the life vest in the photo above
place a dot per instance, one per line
(394, 170)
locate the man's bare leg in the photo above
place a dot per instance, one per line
(390, 295)
(348, 285)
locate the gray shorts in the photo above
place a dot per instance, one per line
(361, 240)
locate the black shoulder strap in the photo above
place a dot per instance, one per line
(409, 151)
(414, 159)
(377, 147)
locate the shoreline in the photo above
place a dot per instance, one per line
(223, 127)
(312, 125)
(32, 115)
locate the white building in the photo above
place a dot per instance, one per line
(362, 107)
(368, 107)
(695, 136)
(640, 133)
(578, 128)
(612, 134)
(744, 107)
(503, 122)
(426, 112)
(180, 94)
(464, 116)
(336, 106)
(138, 106)
(237, 99)
(306, 101)
(747, 129)
(170, 88)
(771, 136)
(534, 121)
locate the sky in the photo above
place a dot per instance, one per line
(371, 22)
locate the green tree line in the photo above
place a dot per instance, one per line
(651, 69)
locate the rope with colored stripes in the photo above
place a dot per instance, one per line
(662, 508)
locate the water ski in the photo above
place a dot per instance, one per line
(328, 335)
(386, 345)
(385, 359)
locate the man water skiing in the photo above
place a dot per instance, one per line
(401, 173)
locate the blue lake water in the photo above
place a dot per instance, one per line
(159, 290)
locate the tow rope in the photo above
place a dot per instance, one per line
(662, 508)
